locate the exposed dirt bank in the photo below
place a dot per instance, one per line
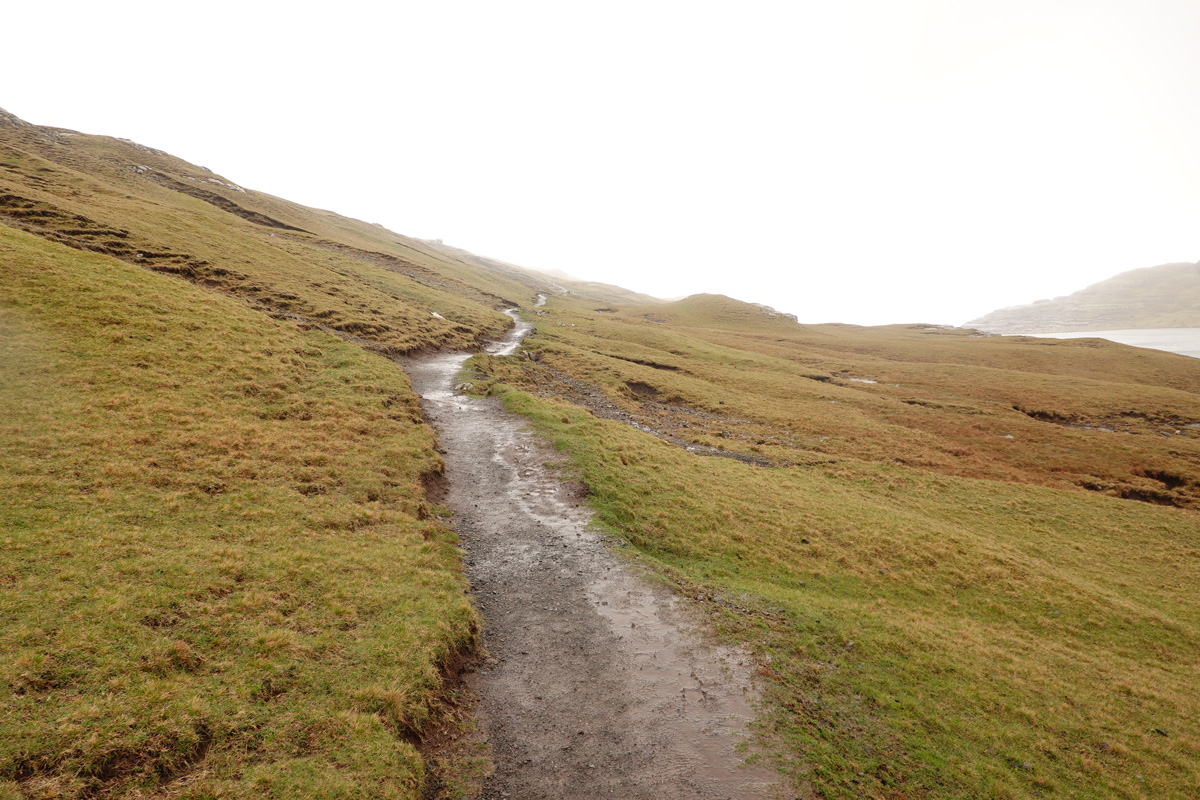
(598, 683)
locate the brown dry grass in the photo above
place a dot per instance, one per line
(1086, 414)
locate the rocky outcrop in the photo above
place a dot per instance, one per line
(773, 314)
(12, 120)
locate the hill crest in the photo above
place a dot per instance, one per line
(712, 309)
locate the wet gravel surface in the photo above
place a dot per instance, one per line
(598, 683)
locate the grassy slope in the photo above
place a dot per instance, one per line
(348, 277)
(1166, 296)
(1032, 410)
(221, 574)
(943, 612)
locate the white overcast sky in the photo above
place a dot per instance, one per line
(870, 161)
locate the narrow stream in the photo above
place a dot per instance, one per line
(598, 683)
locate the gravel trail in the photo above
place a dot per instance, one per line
(598, 683)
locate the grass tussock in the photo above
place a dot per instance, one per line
(221, 577)
(937, 613)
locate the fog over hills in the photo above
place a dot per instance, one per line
(1166, 296)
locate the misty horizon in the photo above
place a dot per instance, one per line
(942, 160)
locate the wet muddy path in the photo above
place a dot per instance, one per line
(598, 683)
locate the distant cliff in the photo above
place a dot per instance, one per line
(1166, 296)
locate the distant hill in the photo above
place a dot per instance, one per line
(1166, 296)
(557, 281)
(712, 311)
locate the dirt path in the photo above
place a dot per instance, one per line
(598, 683)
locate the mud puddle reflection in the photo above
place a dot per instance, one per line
(599, 684)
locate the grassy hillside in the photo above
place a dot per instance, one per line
(1166, 296)
(725, 377)
(221, 575)
(960, 583)
(966, 563)
(358, 281)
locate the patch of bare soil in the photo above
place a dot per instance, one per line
(597, 683)
(77, 231)
(672, 422)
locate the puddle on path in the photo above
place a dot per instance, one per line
(599, 683)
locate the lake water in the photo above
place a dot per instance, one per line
(1185, 341)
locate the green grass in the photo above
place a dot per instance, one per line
(935, 615)
(221, 577)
